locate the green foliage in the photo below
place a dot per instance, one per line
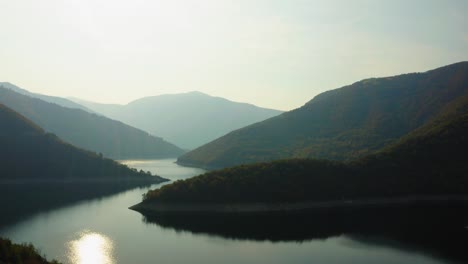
(276, 181)
(341, 124)
(11, 253)
(89, 131)
(431, 160)
(27, 152)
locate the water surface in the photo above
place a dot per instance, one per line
(104, 231)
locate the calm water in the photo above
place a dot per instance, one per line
(105, 231)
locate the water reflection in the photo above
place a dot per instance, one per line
(31, 198)
(438, 232)
(91, 248)
(166, 168)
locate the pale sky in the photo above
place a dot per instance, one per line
(276, 54)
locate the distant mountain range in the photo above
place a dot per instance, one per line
(86, 130)
(341, 124)
(51, 99)
(30, 154)
(189, 120)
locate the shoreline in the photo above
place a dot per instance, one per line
(260, 208)
(193, 165)
(88, 181)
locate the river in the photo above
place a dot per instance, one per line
(105, 231)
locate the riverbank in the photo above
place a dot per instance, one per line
(153, 180)
(261, 208)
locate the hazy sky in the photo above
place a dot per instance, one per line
(276, 54)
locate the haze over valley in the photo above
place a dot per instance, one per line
(217, 131)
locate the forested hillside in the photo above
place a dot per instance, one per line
(341, 124)
(430, 161)
(11, 253)
(89, 131)
(29, 154)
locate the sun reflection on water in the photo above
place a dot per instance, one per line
(91, 248)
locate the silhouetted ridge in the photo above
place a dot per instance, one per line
(188, 119)
(30, 154)
(51, 99)
(89, 131)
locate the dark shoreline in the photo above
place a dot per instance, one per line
(437, 230)
(298, 207)
(154, 180)
(196, 166)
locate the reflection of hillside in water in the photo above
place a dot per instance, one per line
(23, 200)
(437, 232)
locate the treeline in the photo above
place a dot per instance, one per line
(430, 161)
(11, 253)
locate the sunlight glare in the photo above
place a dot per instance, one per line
(91, 248)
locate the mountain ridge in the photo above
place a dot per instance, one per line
(344, 123)
(30, 154)
(187, 119)
(427, 164)
(89, 131)
(48, 98)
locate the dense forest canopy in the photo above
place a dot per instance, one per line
(11, 253)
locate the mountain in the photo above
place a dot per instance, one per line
(342, 124)
(189, 119)
(51, 99)
(30, 154)
(429, 162)
(89, 131)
